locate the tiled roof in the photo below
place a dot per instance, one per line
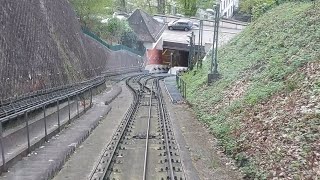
(146, 28)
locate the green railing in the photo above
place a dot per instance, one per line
(182, 86)
(111, 47)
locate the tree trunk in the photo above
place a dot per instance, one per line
(123, 5)
(163, 6)
(148, 1)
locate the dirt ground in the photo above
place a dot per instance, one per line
(208, 160)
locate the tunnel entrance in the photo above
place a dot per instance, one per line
(179, 57)
(160, 60)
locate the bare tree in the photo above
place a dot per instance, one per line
(161, 6)
(123, 5)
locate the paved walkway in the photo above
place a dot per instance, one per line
(45, 161)
(172, 89)
(85, 158)
(15, 139)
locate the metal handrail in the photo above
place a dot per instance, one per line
(182, 86)
(7, 118)
(7, 101)
(120, 69)
(10, 100)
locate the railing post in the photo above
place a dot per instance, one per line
(182, 87)
(27, 126)
(91, 96)
(185, 90)
(69, 110)
(2, 149)
(84, 102)
(177, 79)
(58, 113)
(77, 105)
(45, 123)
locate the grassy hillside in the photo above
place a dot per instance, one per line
(265, 109)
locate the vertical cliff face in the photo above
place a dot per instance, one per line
(42, 46)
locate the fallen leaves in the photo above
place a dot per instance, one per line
(282, 135)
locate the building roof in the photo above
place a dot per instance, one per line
(146, 28)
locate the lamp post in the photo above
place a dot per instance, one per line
(194, 49)
(191, 51)
(199, 48)
(171, 54)
(199, 55)
(217, 20)
(214, 61)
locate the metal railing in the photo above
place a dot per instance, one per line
(11, 100)
(117, 47)
(121, 70)
(18, 107)
(182, 86)
(42, 102)
(225, 23)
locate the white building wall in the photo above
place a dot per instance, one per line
(227, 7)
(158, 45)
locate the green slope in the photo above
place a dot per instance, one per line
(268, 59)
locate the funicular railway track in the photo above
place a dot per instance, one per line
(143, 146)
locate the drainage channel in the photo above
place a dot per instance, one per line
(143, 146)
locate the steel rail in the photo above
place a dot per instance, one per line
(145, 83)
(105, 163)
(28, 100)
(128, 117)
(110, 74)
(61, 97)
(8, 101)
(147, 138)
(23, 104)
(139, 81)
(165, 126)
(120, 69)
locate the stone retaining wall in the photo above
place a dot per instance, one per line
(42, 46)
